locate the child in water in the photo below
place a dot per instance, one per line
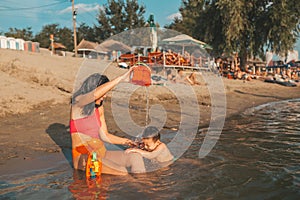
(154, 149)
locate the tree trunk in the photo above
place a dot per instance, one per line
(243, 57)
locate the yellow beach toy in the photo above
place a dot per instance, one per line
(93, 166)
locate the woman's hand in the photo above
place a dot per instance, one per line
(126, 76)
(127, 142)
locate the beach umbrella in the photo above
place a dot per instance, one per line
(113, 45)
(57, 45)
(185, 40)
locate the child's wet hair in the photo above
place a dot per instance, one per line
(151, 132)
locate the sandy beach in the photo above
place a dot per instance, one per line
(35, 104)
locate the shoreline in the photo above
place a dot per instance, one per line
(25, 142)
(35, 98)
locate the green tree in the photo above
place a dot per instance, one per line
(284, 26)
(25, 33)
(43, 37)
(134, 15)
(245, 26)
(86, 32)
(118, 16)
(65, 36)
(104, 30)
(62, 35)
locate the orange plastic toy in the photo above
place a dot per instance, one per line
(141, 75)
(93, 166)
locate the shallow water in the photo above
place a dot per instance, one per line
(256, 157)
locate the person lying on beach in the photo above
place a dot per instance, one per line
(192, 79)
(170, 76)
(239, 74)
(182, 78)
(154, 149)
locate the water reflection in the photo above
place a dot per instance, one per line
(256, 157)
(83, 188)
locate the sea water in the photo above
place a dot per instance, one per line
(256, 157)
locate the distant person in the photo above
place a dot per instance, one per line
(114, 56)
(192, 79)
(294, 75)
(182, 78)
(170, 76)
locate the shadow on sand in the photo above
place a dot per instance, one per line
(60, 134)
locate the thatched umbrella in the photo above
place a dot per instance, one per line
(57, 46)
(185, 40)
(113, 45)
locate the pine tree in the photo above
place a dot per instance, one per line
(86, 32)
(43, 37)
(25, 33)
(190, 10)
(118, 16)
(133, 17)
(62, 35)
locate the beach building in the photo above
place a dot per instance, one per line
(11, 43)
(31, 46)
(109, 49)
(20, 44)
(35, 47)
(28, 46)
(3, 42)
(87, 49)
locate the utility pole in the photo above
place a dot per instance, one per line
(74, 13)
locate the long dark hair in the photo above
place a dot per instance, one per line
(90, 84)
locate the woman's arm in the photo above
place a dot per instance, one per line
(147, 154)
(100, 91)
(107, 137)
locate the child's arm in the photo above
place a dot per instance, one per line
(147, 154)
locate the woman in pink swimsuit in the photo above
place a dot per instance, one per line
(89, 131)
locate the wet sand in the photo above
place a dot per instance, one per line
(35, 93)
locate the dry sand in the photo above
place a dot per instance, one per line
(35, 96)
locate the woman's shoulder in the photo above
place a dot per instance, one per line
(75, 111)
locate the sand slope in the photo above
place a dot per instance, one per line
(28, 79)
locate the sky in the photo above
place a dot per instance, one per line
(37, 13)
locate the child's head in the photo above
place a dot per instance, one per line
(150, 134)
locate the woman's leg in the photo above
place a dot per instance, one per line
(109, 167)
(118, 161)
(136, 162)
(79, 159)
